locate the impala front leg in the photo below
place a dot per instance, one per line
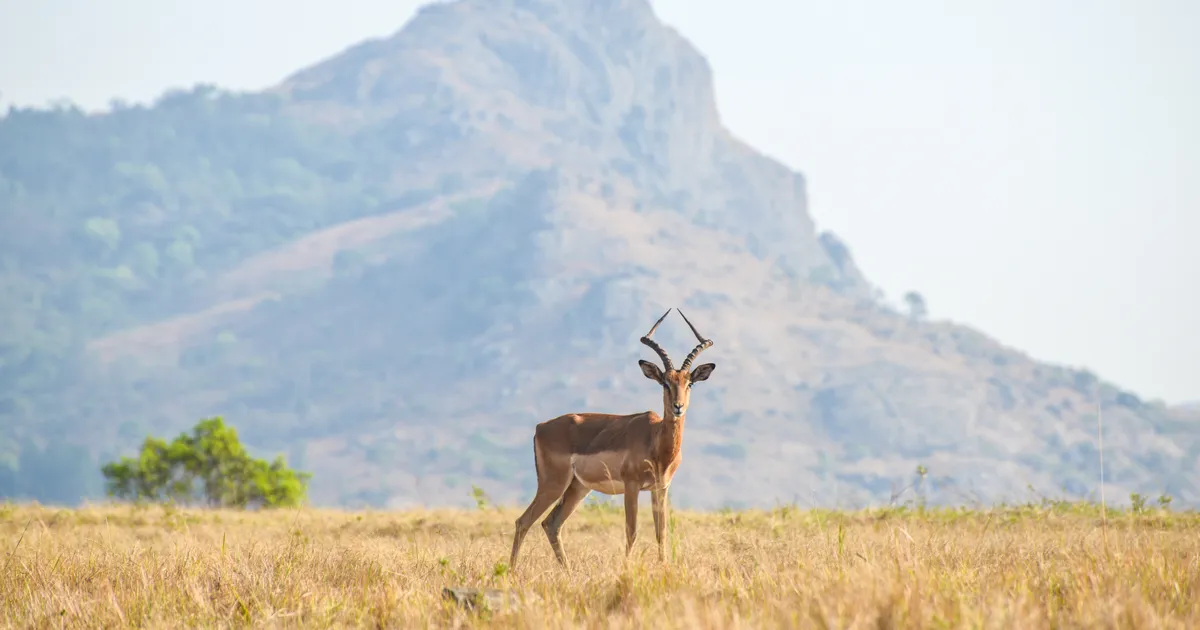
(658, 496)
(631, 508)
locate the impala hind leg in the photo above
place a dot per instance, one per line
(553, 479)
(553, 524)
(547, 493)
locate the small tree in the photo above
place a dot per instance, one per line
(209, 465)
(916, 305)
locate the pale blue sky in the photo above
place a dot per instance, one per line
(1032, 167)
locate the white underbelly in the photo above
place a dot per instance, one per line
(600, 472)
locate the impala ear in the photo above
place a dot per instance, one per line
(702, 371)
(652, 371)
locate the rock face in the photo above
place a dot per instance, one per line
(512, 192)
(506, 87)
(491, 599)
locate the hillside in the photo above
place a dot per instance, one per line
(393, 264)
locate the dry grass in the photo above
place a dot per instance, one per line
(1004, 568)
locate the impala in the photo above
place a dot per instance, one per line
(576, 453)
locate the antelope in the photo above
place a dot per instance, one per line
(577, 453)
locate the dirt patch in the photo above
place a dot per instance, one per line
(162, 341)
(315, 252)
(245, 286)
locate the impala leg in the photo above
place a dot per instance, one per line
(553, 524)
(546, 496)
(552, 483)
(658, 498)
(631, 508)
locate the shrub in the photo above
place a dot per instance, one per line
(209, 465)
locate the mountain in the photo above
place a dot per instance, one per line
(394, 263)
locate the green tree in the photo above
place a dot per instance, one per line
(208, 465)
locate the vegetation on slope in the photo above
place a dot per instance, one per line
(1045, 566)
(118, 220)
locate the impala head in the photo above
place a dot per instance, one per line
(676, 384)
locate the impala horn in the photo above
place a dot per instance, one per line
(654, 345)
(700, 347)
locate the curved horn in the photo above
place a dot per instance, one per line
(654, 346)
(700, 347)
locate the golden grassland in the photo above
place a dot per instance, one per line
(1050, 566)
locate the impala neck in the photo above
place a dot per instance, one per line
(671, 439)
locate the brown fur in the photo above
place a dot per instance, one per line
(614, 454)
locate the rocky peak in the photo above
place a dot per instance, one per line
(609, 66)
(603, 90)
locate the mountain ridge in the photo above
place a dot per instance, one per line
(427, 244)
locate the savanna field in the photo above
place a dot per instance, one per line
(1047, 566)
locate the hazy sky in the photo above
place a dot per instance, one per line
(1031, 167)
